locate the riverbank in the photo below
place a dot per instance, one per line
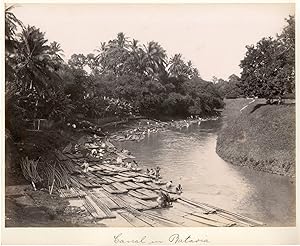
(259, 136)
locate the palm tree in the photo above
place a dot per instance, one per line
(113, 56)
(120, 42)
(11, 24)
(192, 72)
(56, 54)
(35, 67)
(177, 66)
(134, 45)
(154, 59)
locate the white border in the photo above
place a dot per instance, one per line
(104, 236)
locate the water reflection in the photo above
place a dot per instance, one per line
(188, 157)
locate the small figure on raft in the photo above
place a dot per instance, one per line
(169, 185)
(147, 172)
(179, 189)
(164, 200)
(153, 173)
(119, 160)
(132, 165)
(85, 166)
(157, 173)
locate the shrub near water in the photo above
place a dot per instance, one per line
(261, 136)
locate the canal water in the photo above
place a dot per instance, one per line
(188, 157)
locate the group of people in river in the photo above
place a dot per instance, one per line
(148, 127)
(153, 172)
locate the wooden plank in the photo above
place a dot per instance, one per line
(113, 190)
(129, 201)
(116, 199)
(149, 193)
(107, 180)
(94, 209)
(80, 192)
(95, 168)
(108, 173)
(204, 221)
(241, 217)
(108, 202)
(138, 195)
(122, 186)
(113, 178)
(75, 182)
(204, 208)
(234, 220)
(128, 174)
(155, 186)
(122, 178)
(183, 208)
(82, 181)
(133, 185)
(216, 218)
(148, 203)
(103, 206)
(100, 179)
(119, 187)
(162, 219)
(141, 179)
(90, 209)
(142, 185)
(175, 216)
(114, 167)
(110, 168)
(152, 221)
(133, 220)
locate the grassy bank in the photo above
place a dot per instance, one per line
(261, 136)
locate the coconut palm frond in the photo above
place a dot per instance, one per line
(29, 169)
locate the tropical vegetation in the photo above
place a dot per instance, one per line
(268, 69)
(121, 78)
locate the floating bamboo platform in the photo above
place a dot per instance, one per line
(110, 191)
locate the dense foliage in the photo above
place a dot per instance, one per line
(122, 78)
(268, 69)
(230, 88)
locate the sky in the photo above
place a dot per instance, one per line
(212, 36)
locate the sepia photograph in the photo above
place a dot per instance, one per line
(150, 115)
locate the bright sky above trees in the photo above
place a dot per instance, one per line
(212, 36)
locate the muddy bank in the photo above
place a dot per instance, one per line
(260, 136)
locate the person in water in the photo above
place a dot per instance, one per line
(169, 184)
(164, 199)
(135, 163)
(179, 189)
(157, 172)
(147, 171)
(85, 166)
(152, 172)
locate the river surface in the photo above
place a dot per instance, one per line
(188, 157)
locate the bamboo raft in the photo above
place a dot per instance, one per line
(111, 191)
